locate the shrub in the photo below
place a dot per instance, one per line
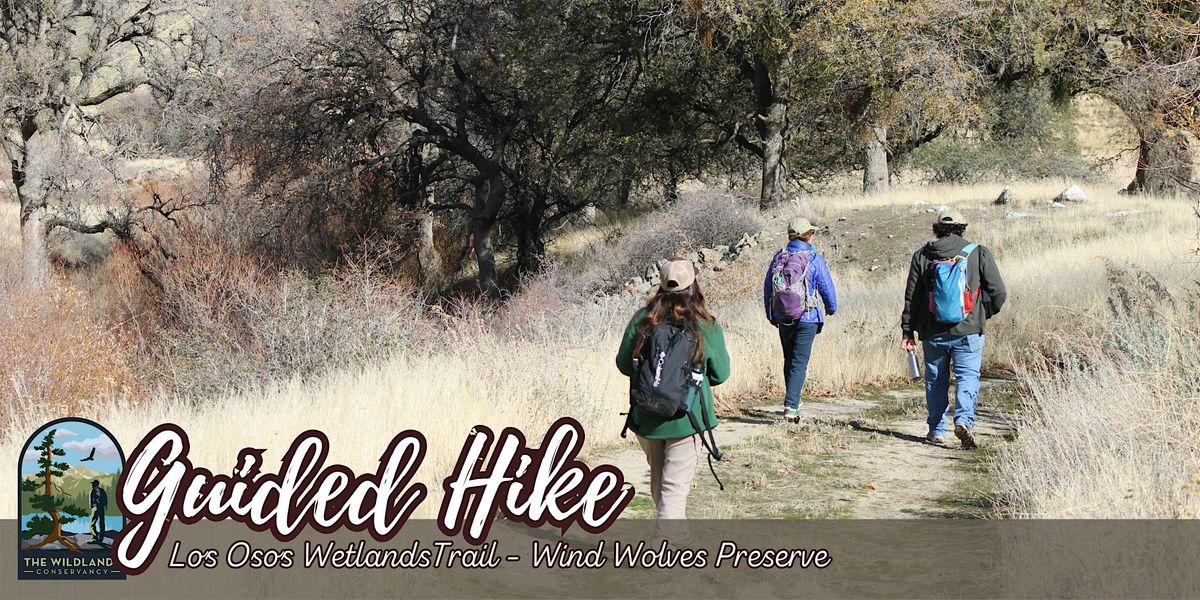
(1025, 134)
(228, 322)
(1111, 419)
(58, 358)
(972, 161)
(556, 304)
(707, 220)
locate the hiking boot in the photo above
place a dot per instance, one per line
(791, 415)
(935, 439)
(966, 435)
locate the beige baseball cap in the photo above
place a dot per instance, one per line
(677, 274)
(951, 216)
(800, 226)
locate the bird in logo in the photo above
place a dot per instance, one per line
(91, 455)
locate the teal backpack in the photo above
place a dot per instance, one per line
(950, 297)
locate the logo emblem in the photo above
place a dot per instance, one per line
(67, 507)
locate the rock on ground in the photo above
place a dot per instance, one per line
(1004, 197)
(1122, 213)
(1071, 194)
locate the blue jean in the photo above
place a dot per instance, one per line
(797, 339)
(966, 354)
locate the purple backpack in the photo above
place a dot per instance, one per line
(791, 296)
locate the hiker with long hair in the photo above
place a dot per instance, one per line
(673, 352)
(798, 294)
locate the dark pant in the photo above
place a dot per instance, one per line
(797, 340)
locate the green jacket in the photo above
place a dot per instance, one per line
(716, 359)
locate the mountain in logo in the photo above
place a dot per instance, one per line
(76, 485)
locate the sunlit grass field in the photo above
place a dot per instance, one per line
(1053, 262)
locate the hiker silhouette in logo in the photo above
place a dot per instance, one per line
(797, 295)
(673, 352)
(98, 502)
(953, 288)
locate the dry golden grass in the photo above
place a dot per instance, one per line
(1052, 264)
(1110, 427)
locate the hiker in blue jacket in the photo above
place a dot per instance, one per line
(797, 294)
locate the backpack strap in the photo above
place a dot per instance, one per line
(967, 250)
(710, 443)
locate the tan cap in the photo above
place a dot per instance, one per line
(800, 226)
(677, 274)
(950, 216)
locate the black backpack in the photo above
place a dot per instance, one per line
(666, 382)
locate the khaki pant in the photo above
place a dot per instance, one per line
(672, 469)
(96, 524)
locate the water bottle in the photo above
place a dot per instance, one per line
(914, 367)
(697, 375)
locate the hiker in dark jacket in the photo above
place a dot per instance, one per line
(98, 502)
(950, 345)
(798, 330)
(673, 444)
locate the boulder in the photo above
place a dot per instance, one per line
(1071, 194)
(722, 249)
(1004, 197)
(1012, 214)
(589, 215)
(651, 272)
(747, 241)
(1054, 204)
(710, 256)
(693, 257)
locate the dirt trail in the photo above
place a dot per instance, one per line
(863, 457)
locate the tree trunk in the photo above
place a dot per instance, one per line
(876, 178)
(531, 249)
(671, 193)
(625, 190)
(1164, 163)
(429, 259)
(28, 180)
(34, 255)
(489, 197)
(485, 256)
(772, 91)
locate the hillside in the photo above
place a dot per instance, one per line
(76, 485)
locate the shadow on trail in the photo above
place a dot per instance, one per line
(860, 426)
(750, 420)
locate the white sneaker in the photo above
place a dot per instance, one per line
(791, 415)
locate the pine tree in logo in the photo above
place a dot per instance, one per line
(57, 512)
